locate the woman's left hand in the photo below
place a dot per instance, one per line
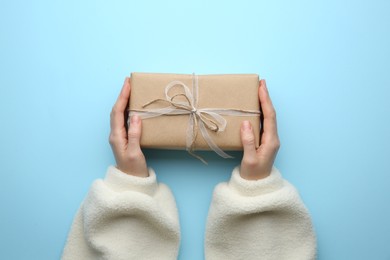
(126, 144)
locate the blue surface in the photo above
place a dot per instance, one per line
(327, 66)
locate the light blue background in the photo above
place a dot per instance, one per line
(327, 66)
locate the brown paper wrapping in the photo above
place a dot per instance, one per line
(231, 91)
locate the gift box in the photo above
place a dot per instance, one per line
(195, 112)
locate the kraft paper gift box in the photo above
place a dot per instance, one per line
(232, 94)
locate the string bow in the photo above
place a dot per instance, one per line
(204, 119)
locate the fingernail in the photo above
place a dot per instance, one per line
(246, 125)
(135, 119)
(264, 84)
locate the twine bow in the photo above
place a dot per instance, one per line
(203, 119)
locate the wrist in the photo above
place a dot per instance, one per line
(143, 173)
(245, 187)
(254, 173)
(119, 181)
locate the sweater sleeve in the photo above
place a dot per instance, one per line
(263, 219)
(125, 217)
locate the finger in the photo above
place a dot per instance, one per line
(248, 142)
(118, 110)
(134, 134)
(269, 114)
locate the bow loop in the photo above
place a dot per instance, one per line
(185, 105)
(203, 119)
(209, 123)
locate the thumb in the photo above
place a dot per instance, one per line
(134, 133)
(248, 142)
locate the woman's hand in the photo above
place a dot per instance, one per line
(257, 163)
(125, 144)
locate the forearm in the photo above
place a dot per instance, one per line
(121, 217)
(264, 219)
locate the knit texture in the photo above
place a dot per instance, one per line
(263, 219)
(125, 217)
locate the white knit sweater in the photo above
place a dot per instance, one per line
(127, 217)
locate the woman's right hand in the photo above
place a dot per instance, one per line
(257, 163)
(126, 144)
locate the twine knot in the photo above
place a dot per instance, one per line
(203, 119)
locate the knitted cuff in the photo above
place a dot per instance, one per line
(122, 182)
(256, 187)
